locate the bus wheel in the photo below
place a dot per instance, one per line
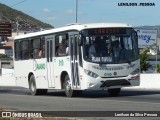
(114, 92)
(68, 90)
(33, 89)
(67, 87)
(32, 85)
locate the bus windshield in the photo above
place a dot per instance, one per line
(110, 45)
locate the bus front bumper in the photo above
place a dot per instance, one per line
(116, 83)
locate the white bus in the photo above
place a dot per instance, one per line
(99, 56)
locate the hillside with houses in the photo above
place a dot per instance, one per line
(21, 24)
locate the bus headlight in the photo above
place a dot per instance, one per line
(135, 74)
(90, 73)
(136, 71)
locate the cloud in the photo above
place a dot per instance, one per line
(52, 18)
(46, 10)
(70, 12)
(73, 12)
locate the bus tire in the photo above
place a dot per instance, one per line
(68, 89)
(114, 91)
(32, 85)
(33, 89)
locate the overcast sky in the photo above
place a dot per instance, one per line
(61, 12)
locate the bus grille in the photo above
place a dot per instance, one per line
(121, 82)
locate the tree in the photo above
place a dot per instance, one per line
(143, 60)
(158, 68)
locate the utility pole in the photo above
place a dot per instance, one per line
(17, 24)
(76, 10)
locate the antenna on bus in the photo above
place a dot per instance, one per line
(73, 24)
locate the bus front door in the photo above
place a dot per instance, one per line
(74, 61)
(50, 65)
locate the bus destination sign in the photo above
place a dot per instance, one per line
(103, 31)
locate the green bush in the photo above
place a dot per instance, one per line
(158, 68)
(143, 60)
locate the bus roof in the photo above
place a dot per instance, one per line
(76, 26)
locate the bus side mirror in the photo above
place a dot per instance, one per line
(136, 35)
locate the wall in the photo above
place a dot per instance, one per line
(7, 78)
(148, 81)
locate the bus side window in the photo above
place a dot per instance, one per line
(41, 53)
(56, 50)
(67, 45)
(24, 46)
(61, 45)
(17, 50)
(31, 49)
(36, 47)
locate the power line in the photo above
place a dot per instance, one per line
(17, 17)
(18, 3)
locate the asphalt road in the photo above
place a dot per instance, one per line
(16, 98)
